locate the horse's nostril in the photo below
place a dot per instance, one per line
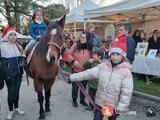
(52, 60)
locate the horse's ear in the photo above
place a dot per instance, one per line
(46, 20)
(62, 21)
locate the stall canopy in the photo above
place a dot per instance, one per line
(130, 10)
(77, 14)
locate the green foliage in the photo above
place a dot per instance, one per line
(152, 88)
(13, 10)
(54, 11)
(68, 69)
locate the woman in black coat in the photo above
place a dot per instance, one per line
(137, 36)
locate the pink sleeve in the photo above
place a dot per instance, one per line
(71, 52)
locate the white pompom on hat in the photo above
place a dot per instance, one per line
(7, 31)
(120, 45)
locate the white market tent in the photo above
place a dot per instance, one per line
(130, 10)
(77, 14)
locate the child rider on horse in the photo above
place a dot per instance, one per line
(36, 29)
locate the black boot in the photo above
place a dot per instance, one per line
(74, 103)
(89, 108)
(82, 102)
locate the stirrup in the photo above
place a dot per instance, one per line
(23, 55)
(24, 62)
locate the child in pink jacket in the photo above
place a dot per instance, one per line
(115, 81)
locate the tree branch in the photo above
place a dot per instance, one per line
(19, 11)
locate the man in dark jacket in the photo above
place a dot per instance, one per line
(131, 44)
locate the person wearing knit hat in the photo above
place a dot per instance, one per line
(35, 12)
(11, 59)
(7, 31)
(119, 48)
(115, 81)
(36, 29)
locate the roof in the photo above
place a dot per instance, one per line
(77, 14)
(128, 10)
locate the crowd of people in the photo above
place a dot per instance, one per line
(104, 65)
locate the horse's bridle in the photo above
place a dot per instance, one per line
(57, 46)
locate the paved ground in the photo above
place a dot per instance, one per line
(61, 105)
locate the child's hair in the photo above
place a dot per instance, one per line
(98, 52)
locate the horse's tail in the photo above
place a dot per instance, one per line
(26, 71)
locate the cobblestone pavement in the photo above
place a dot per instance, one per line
(61, 105)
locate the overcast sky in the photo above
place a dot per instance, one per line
(99, 2)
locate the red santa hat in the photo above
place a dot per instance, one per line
(7, 31)
(120, 45)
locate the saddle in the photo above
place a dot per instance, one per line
(30, 53)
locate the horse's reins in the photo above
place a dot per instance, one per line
(20, 50)
(79, 84)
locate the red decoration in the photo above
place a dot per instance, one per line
(107, 110)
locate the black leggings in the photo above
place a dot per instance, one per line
(13, 87)
(75, 90)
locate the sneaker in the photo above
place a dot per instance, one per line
(74, 104)
(10, 115)
(89, 108)
(21, 112)
(83, 103)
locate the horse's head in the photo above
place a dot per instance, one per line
(55, 36)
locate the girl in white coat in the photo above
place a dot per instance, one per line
(115, 81)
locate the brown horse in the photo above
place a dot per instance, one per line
(43, 67)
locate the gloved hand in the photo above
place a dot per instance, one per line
(38, 37)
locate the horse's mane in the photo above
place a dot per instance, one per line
(41, 48)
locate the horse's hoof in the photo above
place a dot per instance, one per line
(48, 113)
(42, 117)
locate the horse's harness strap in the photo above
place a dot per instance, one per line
(20, 50)
(56, 45)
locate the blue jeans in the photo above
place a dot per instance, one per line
(99, 116)
(30, 45)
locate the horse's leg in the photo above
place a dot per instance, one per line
(39, 90)
(47, 98)
(47, 88)
(40, 100)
